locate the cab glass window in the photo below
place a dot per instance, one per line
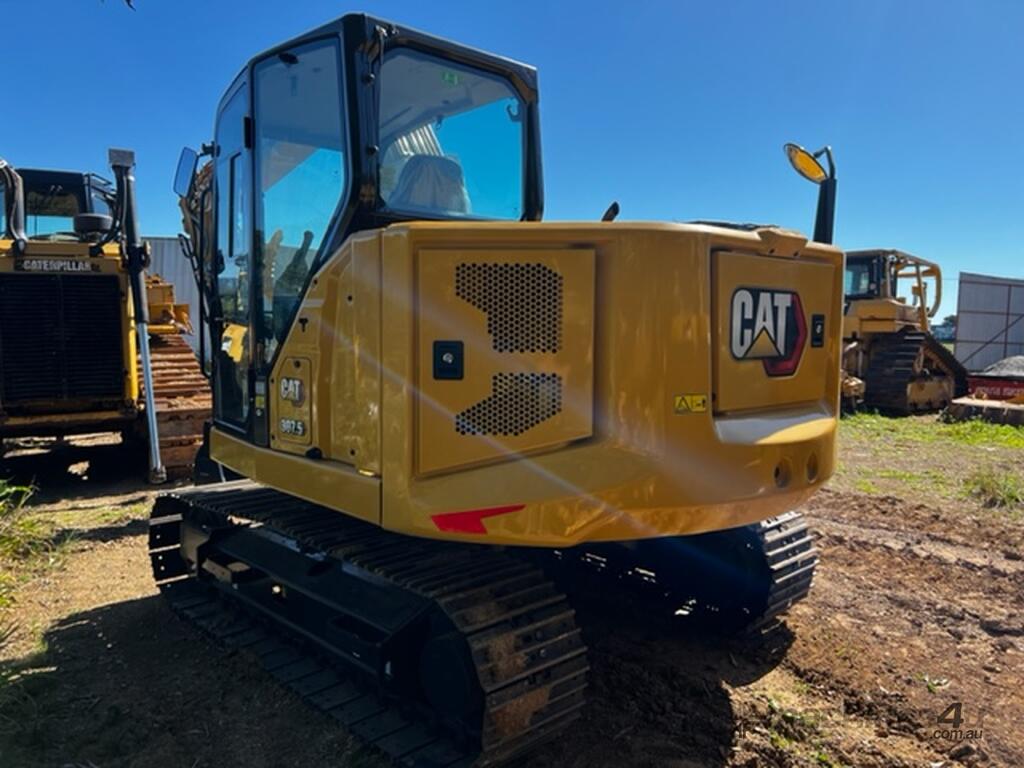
(301, 166)
(858, 279)
(233, 264)
(232, 234)
(51, 208)
(451, 139)
(3, 210)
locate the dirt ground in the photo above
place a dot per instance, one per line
(918, 606)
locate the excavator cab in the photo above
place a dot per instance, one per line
(367, 125)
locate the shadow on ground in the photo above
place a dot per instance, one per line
(82, 468)
(129, 684)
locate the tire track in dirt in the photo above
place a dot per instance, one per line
(914, 609)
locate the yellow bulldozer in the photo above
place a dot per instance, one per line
(89, 342)
(443, 409)
(892, 362)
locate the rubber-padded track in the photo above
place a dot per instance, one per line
(528, 653)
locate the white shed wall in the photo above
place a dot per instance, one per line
(990, 320)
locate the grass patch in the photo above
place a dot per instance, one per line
(27, 541)
(865, 486)
(996, 488)
(21, 535)
(928, 429)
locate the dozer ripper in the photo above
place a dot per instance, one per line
(443, 409)
(81, 323)
(888, 346)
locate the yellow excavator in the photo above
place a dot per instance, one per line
(892, 362)
(81, 322)
(444, 408)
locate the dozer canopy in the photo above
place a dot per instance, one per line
(876, 274)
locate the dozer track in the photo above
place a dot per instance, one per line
(439, 654)
(898, 361)
(183, 402)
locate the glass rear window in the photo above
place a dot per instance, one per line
(51, 208)
(451, 139)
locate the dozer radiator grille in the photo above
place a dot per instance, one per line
(60, 339)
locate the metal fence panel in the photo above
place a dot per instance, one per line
(990, 320)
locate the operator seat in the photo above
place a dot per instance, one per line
(430, 183)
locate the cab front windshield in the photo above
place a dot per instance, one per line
(451, 139)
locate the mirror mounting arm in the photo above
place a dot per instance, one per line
(825, 216)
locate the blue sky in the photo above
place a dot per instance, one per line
(677, 110)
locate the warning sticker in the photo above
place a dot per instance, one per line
(691, 403)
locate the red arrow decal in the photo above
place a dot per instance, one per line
(471, 520)
(787, 365)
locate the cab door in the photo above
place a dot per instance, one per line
(233, 269)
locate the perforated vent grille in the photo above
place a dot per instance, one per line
(523, 304)
(518, 402)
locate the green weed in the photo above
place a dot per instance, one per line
(934, 684)
(21, 535)
(27, 541)
(778, 740)
(865, 486)
(994, 487)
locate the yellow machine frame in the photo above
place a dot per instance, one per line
(703, 440)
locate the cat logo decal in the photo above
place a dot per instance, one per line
(769, 326)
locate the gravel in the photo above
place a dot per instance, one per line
(1008, 366)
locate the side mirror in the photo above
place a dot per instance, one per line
(186, 170)
(807, 165)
